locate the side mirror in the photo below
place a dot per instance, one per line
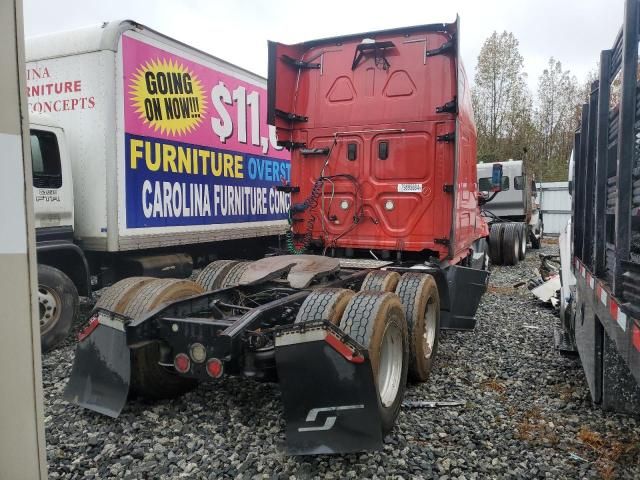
(496, 177)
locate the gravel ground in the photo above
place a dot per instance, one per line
(527, 414)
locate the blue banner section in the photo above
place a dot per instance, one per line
(172, 184)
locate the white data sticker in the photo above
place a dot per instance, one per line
(410, 187)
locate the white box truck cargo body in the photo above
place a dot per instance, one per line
(168, 145)
(147, 154)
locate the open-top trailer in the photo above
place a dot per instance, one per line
(383, 160)
(600, 308)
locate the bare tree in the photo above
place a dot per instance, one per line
(499, 95)
(558, 95)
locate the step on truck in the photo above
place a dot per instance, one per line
(149, 156)
(386, 248)
(600, 249)
(512, 211)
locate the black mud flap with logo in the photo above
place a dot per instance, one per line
(102, 367)
(331, 403)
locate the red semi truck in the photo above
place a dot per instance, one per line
(383, 164)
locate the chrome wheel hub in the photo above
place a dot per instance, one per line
(390, 371)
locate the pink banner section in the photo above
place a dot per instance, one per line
(172, 98)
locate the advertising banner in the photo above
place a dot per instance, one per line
(198, 150)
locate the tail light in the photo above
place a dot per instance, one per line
(215, 368)
(182, 363)
(89, 328)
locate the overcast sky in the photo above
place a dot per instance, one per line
(573, 31)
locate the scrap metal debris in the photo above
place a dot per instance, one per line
(547, 287)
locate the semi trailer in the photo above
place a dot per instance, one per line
(148, 156)
(386, 247)
(513, 212)
(600, 249)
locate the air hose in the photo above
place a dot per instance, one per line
(310, 203)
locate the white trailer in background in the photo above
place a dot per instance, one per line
(148, 156)
(555, 206)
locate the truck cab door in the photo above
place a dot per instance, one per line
(52, 183)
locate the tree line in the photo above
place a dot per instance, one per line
(515, 123)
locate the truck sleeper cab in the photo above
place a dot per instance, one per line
(383, 143)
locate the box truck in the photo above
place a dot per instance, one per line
(145, 152)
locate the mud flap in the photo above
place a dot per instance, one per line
(331, 403)
(466, 287)
(101, 369)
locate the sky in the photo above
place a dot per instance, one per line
(572, 31)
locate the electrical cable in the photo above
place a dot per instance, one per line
(311, 203)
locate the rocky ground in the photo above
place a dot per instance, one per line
(526, 414)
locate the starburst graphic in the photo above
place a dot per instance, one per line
(168, 97)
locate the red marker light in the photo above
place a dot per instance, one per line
(215, 368)
(91, 326)
(182, 363)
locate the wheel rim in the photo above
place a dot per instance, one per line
(429, 335)
(516, 249)
(523, 243)
(390, 371)
(49, 305)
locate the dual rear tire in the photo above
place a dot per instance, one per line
(376, 320)
(135, 297)
(397, 318)
(507, 243)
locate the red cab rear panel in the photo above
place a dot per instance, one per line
(384, 119)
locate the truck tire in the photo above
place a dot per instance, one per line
(117, 296)
(376, 320)
(380, 281)
(148, 379)
(420, 299)
(522, 235)
(325, 304)
(495, 243)
(211, 276)
(233, 276)
(58, 303)
(510, 244)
